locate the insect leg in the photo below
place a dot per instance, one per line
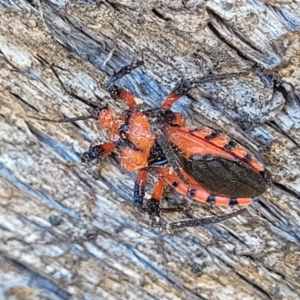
(97, 151)
(152, 207)
(139, 189)
(180, 89)
(202, 222)
(185, 85)
(121, 93)
(122, 72)
(153, 203)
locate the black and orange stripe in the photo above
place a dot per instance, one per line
(199, 193)
(224, 142)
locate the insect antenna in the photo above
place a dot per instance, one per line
(95, 107)
(65, 120)
(91, 104)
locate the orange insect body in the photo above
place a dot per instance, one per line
(138, 134)
(203, 164)
(133, 136)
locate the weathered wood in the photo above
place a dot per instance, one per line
(66, 235)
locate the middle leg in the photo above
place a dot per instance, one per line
(97, 151)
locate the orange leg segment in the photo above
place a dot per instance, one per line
(158, 190)
(180, 89)
(125, 96)
(97, 151)
(170, 100)
(153, 204)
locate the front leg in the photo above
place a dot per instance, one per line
(97, 151)
(122, 94)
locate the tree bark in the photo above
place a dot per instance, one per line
(66, 235)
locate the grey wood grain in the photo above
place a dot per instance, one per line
(65, 235)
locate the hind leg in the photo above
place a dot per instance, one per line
(202, 221)
(152, 206)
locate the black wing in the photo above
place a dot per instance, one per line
(225, 177)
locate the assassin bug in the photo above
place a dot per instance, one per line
(203, 164)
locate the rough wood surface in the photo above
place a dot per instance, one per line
(65, 235)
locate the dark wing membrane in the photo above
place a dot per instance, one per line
(220, 176)
(224, 177)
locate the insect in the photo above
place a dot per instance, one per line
(203, 164)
